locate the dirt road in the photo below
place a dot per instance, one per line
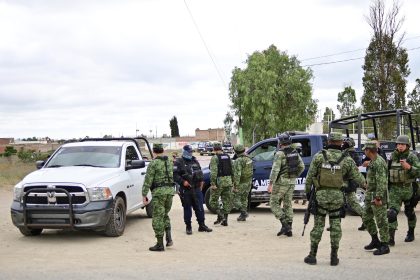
(249, 250)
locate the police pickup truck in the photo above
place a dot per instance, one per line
(262, 154)
(92, 184)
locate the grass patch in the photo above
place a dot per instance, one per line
(12, 170)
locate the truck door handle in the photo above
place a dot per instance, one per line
(143, 173)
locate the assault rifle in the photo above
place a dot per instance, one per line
(309, 209)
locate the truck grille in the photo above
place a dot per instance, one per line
(78, 195)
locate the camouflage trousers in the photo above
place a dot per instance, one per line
(398, 196)
(162, 204)
(354, 204)
(282, 194)
(240, 198)
(376, 216)
(224, 192)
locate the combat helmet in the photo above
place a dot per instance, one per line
(403, 139)
(239, 148)
(285, 139)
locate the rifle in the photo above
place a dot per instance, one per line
(309, 209)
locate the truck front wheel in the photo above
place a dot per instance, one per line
(30, 231)
(116, 224)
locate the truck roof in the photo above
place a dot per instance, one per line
(97, 143)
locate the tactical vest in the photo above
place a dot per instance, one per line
(194, 170)
(397, 174)
(167, 180)
(331, 174)
(224, 167)
(292, 162)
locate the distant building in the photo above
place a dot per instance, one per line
(5, 142)
(211, 134)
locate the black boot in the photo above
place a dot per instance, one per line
(282, 229)
(225, 220)
(242, 217)
(159, 245)
(203, 228)
(410, 235)
(334, 258)
(384, 249)
(391, 237)
(219, 219)
(188, 229)
(169, 241)
(288, 230)
(374, 244)
(311, 258)
(362, 227)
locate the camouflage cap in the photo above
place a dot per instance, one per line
(217, 146)
(239, 148)
(335, 136)
(369, 145)
(157, 146)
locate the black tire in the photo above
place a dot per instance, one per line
(254, 205)
(116, 224)
(201, 154)
(207, 201)
(149, 209)
(30, 231)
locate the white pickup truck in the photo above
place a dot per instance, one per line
(91, 184)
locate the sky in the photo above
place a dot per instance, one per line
(71, 69)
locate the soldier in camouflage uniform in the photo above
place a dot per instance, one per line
(243, 180)
(326, 173)
(159, 179)
(221, 184)
(287, 166)
(375, 200)
(403, 170)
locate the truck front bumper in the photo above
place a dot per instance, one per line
(93, 215)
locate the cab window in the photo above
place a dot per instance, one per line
(131, 153)
(264, 152)
(305, 149)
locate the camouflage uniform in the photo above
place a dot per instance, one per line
(224, 185)
(159, 178)
(401, 191)
(283, 187)
(329, 199)
(350, 195)
(376, 216)
(243, 181)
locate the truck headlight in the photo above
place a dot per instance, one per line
(98, 193)
(17, 193)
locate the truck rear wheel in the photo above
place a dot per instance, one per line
(116, 224)
(30, 231)
(207, 201)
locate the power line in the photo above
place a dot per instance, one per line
(205, 44)
(345, 60)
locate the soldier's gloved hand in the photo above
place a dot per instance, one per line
(213, 187)
(145, 200)
(270, 188)
(186, 184)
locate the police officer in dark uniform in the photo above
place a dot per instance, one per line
(188, 174)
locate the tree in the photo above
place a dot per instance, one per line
(271, 94)
(347, 99)
(328, 117)
(173, 124)
(413, 103)
(386, 64)
(228, 121)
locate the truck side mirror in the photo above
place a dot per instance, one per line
(40, 164)
(135, 164)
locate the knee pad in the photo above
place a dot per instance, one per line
(392, 215)
(409, 213)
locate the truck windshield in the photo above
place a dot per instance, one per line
(94, 156)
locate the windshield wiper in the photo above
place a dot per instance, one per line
(90, 165)
(54, 166)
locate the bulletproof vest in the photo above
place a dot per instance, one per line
(397, 174)
(167, 179)
(331, 174)
(224, 167)
(247, 171)
(292, 162)
(194, 170)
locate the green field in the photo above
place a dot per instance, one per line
(12, 170)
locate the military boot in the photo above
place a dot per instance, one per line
(282, 229)
(219, 219)
(311, 258)
(203, 228)
(188, 229)
(391, 237)
(225, 220)
(362, 227)
(334, 258)
(410, 235)
(374, 244)
(242, 217)
(288, 230)
(384, 249)
(169, 241)
(159, 245)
